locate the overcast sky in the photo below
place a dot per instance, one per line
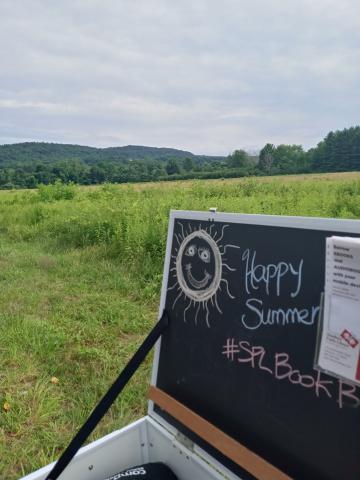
(207, 76)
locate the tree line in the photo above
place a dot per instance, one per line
(22, 166)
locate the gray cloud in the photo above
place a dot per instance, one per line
(206, 76)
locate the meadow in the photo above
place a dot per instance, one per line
(80, 277)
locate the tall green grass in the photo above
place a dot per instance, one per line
(80, 275)
(131, 221)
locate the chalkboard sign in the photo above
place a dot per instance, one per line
(243, 295)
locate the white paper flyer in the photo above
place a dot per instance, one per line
(339, 348)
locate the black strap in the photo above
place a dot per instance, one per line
(109, 397)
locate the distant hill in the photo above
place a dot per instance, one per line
(29, 152)
(27, 165)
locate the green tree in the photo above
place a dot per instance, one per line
(188, 164)
(172, 167)
(97, 174)
(238, 159)
(30, 181)
(289, 158)
(266, 158)
(339, 151)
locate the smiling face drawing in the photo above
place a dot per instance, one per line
(198, 270)
(198, 266)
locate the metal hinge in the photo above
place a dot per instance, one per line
(185, 441)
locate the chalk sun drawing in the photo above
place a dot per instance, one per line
(198, 269)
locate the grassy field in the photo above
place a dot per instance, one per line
(80, 275)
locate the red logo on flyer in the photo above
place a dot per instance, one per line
(350, 339)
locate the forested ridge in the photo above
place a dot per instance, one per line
(26, 165)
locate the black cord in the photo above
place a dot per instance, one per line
(109, 397)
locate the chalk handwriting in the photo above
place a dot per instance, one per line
(257, 315)
(276, 274)
(280, 367)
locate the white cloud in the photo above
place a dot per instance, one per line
(47, 107)
(205, 76)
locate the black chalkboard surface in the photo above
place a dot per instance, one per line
(243, 295)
